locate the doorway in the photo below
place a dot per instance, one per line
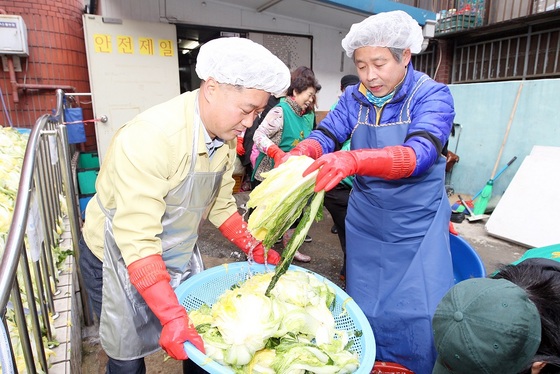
(189, 41)
(293, 50)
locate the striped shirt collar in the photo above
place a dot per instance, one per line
(211, 144)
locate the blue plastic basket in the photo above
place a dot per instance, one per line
(207, 286)
(466, 262)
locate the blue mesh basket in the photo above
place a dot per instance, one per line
(206, 287)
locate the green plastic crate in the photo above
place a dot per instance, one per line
(86, 181)
(88, 161)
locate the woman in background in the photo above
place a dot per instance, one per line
(285, 125)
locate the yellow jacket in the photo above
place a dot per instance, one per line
(149, 156)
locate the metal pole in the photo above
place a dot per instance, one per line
(73, 215)
(24, 265)
(22, 328)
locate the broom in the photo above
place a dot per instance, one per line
(486, 194)
(460, 208)
(486, 191)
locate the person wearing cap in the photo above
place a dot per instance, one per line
(166, 171)
(398, 262)
(504, 324)
(346, 81)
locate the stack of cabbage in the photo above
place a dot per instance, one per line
(12, 152)
(292, 331)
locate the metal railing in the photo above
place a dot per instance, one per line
(534, 54)
(46, 176)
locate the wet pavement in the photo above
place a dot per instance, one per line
(326, 260)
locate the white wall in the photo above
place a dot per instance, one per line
(328, 64)
(483, 109)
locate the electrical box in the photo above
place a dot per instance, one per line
(13, 36)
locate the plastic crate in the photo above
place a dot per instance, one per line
(86, 181)
(84, 200)
(457, 22)
(88, 161)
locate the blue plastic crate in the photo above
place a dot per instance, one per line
(84, 200)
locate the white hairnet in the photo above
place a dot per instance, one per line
(242, 62)
(394, 29)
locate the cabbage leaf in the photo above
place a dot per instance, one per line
(292, 331)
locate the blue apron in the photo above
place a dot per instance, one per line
(398, 258)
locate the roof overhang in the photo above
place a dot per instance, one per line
(379, 6)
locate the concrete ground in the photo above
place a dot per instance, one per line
(326, 260)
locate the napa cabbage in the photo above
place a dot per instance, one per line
(280, 199)
(291, 331)
(12, 152)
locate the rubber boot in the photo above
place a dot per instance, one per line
(298, 256)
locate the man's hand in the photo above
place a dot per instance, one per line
(150, 277)
(175, 333)
(388, 163)
(235, 229)
(272, 257)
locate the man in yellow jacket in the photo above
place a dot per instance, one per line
(166, 171)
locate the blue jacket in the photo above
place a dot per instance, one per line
(430, 105)
(398, 263)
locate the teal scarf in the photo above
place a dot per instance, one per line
(379, 101)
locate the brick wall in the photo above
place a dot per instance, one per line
(443, 73)
(56, 58)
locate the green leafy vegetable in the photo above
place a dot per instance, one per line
(12, 151)
(279, 200)
(298, 238)
(292, 331)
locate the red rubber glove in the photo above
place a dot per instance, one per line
(388, 163)
(240, 148)
(308, 147)
(235, 229)
(278, 155)
(151, 279)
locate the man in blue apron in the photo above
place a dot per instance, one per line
(165, 172)
(397, 239)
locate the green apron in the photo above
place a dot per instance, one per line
(294, 129)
